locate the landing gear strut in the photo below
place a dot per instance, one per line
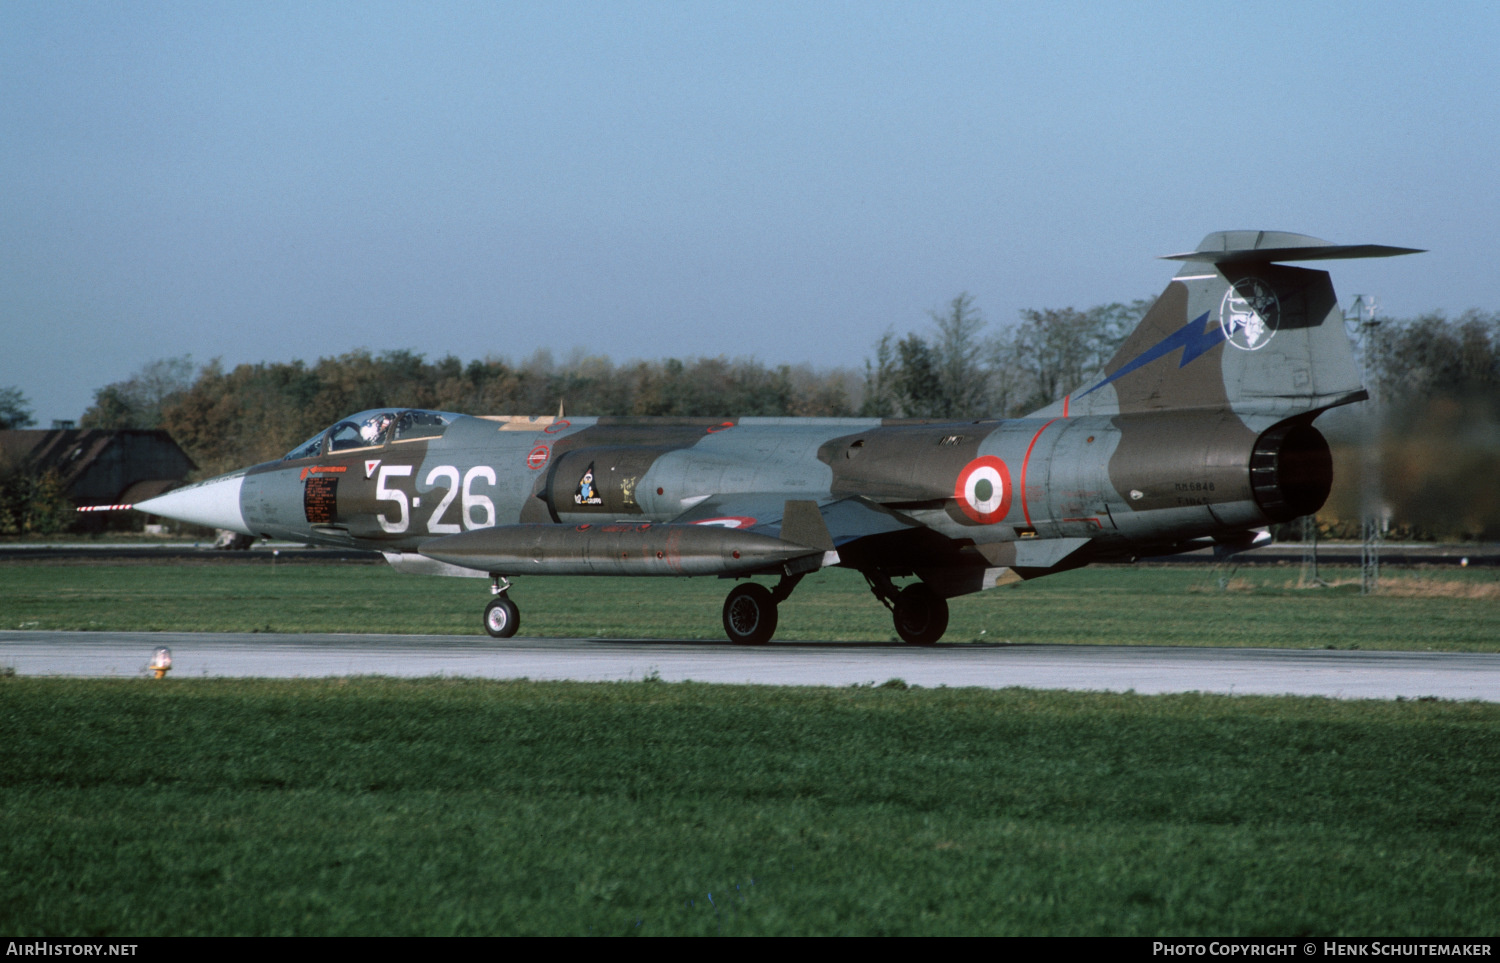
(920, 614)
(750, 614)
(501, 617)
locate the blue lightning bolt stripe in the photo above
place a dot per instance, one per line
(1191, 338)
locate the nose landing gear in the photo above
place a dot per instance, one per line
(501, 617)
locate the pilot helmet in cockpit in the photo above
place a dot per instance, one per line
(372, 432)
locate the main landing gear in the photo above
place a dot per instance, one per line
(750, 610)
(919, 613)
(501, 617)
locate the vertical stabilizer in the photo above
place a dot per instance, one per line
(1236, 329)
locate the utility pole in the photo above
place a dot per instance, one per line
(1361, 318)
(1310, 574)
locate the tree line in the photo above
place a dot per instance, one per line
(1438, 383)
(225, 418)
(959, 370)
(256, 412)
(1438, 378)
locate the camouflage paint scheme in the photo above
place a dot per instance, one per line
(1198, 432)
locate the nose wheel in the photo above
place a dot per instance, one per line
(501, 617)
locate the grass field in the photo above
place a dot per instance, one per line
(1437, 609)
(372, 806)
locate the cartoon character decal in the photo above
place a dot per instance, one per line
(587, 493)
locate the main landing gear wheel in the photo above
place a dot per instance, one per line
(921, 617)
(750, 614)
(501, 617)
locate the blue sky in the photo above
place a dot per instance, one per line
(783, 181)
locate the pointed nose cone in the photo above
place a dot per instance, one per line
(215, 503)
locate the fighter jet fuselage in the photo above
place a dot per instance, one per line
(1199, 432)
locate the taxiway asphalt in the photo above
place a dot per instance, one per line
(1143, 669)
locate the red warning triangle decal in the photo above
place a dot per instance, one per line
(370, 465)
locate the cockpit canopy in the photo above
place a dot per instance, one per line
(373, 429)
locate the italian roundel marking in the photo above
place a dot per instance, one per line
(983, 490)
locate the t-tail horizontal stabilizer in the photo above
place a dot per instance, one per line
(1265, 247)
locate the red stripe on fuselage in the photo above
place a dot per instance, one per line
(1025, 462)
